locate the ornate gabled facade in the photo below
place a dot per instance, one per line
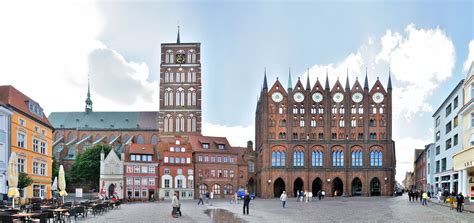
(333, 139)
(111, 174)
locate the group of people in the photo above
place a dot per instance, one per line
(301, 196)
(456, 200)
(208, 196)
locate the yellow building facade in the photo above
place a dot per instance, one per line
(463, 161)
(31, 139)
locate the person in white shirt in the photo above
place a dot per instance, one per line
(175, 205)
(283, 199)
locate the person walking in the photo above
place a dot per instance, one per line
(175, 205)
(211, 196)
(416, 195)
(200, 199)
(320, 194)
(310, 194)
(424, 198)
(207, 197)
(297, 196)
(246, 203)
(459, 201)
(323, 194)
(283, 199)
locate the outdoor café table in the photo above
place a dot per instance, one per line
(59, 212)
(25, 216)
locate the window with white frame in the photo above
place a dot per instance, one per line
(43, 148)
(21, 140)
(151, 181)
(144, 181)
(136, 181)
(21, 165)
(39, 191)
(21, 122)
(43, 169)
(35, 145)
(35, 168)
(129, 181)
(151, 169)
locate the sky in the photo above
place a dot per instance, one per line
(48, 49)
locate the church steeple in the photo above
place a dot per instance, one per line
(290, 84)
(308, 86)
(347, 80)
(366, 82)
(326, 86)
(389, 86)
(88, 100)
(178, 41)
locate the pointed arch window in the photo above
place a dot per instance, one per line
(313, 122)
(317, 158)
(298, 158)
(334, 109)
(169, 58)
(313, 110)
(278, 158)
(168, 123)
(341, 122)
(180, 123)
(301, 122)
(361, 109)
(356, 158)
(302, 109)
(191, 56)
(376, 157)
(338, 158)
(353, 122)
(191, 97)
(341, 109)
(180, 97)
(321, 110)
(168, 97)
(295, 110)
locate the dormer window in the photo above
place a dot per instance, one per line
(221, 146)
(205, 145)
(171, 149)
(35, 108)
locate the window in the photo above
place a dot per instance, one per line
(213, 173)
(302, 122)
(317, 158)
(190, 171)
(179, 184)
(278, 158)
(21, 165)
(21, 140)
(178, 160)
(448, 127)
(298, 158)
(448, 144)
(166, 159)
(205, 145)
(216, 189)
(35, 145)
(171, 149)
(231, 173)
(472, 120)
(171, 159)
(144, 169)
(136, 169)
(429, 167)
(438, 136)
(213, 159)
(129, 181)
(455, 102)
(219, 173)
(437, 121)
(455, 139)
(219, 159)
(43, 148)
(338, 158)
(43, 169)
(167, 183)
(38, 191)
(226, 159)
(251, 167)
(437, 166)
(448, 110)
(188, 160)
(376, 158)
(356, 158)
(221, 146)
(313, 122)
(455, 122)
(144, 181)
(21, 122)
(133, 157)
(35, 168)
(167, 171)
(443, 164)
(206, 159)
(129, 169)
(437, 150)
(151, 181)
(200, 158)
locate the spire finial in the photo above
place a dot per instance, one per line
(308, 86)
(178, 41)
(88, 99)
(389, 85)
(366, 82)
(265, 86)
(326, 86)
(290, 84)
(347, 79)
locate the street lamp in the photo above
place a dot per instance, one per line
(329, 180)
(269, 181)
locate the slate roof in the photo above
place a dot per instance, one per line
(105, 120)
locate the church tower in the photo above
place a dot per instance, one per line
(88, 100)
(180, 88)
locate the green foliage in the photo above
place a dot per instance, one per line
(86, 168)
(24, 180)
(55, 168)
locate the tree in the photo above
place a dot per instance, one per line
(55, 168)
(86, 168)
(24, 180)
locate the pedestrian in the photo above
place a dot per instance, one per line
(424, 198)
(416, 195)
(211, 196)
(200, 199)
(320, 194)
(445, 195)
(297, 196)
(439, 196)
(323, 194)
(175, 205)
(246, 203)
(335, 193)
(459, 201)
(207, 197)
(283, 199)
(302, 195)
(306, 196)
(310, 194)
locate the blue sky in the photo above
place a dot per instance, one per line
(57, 44)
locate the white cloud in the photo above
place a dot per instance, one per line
(405, 154)
(115, 78)
(45, 54)
(237, 135)
(470, 57)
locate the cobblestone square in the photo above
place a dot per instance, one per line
(354, 209)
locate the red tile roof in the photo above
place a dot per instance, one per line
(142, 149)
(12, 97)
(197, 141)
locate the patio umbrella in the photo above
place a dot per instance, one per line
(54, 187)
(13, 177)
(62, 183)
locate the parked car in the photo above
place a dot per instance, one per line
(241, 194)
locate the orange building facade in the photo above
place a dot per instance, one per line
(31, 139)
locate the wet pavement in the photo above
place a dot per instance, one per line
(352, 209)
(221, 215)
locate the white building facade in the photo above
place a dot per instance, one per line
(4, 148)
(111, 174)
(448, 134)
(430, 167)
